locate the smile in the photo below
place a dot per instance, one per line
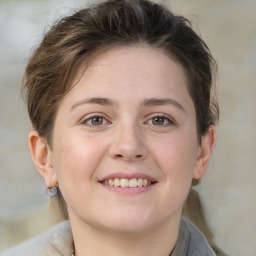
(127, 183)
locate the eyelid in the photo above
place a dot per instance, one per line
(92, 115)
(161, 115)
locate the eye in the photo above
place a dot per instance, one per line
(160, 121)
(95, 121)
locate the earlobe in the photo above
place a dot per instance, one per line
(208, 142)
(42, 156)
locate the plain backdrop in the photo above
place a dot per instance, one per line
(228, 190)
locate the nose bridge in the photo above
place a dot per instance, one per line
(128, 142)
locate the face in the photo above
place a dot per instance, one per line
(125, 145)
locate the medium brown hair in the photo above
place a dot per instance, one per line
(76, 39)
(54, 64)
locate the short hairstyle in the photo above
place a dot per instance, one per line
(72, 40)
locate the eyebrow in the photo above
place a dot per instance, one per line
(99, 101)
(160, 102)
(147, 102)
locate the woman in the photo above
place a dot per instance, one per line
(119, 95)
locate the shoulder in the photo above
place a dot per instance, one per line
(55, 241)
(191, 241)
(198, 244)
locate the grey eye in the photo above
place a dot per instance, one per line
(158, 120)
(96, 120)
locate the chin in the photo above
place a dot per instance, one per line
(129, 221)
(128, 227)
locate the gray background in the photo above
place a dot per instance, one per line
(228, 191)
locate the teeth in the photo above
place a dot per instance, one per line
(145, 182)
(116, 182)
(105, 182)
(140, 182)
(133, 183)
(110, 182)
(125, 183)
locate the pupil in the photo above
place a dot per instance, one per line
(97, 120)
(158, 120)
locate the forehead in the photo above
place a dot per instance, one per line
(138, 64)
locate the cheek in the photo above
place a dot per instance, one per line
(75, 162)
(76, 158)
(176, 156)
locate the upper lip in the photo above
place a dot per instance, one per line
(128, 176)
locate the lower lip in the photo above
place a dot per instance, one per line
(128, 191)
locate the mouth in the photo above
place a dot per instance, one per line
(127, 183)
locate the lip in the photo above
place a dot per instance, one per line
(128, 176)
(126, 190)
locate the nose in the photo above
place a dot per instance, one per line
(128, 144)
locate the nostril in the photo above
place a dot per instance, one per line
(120, 156)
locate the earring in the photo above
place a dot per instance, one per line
(52, 191)
(196, 182)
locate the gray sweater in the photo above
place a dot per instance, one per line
(57, 241)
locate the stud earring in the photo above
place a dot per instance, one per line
(196, 182)
(52, 191)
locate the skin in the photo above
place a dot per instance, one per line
(125, 139)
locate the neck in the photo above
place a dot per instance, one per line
(91, 241)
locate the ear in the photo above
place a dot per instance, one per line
(208, 142)
(41, 154)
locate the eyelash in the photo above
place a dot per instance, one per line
(90, 119)
(165, 118)
(167, 121)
